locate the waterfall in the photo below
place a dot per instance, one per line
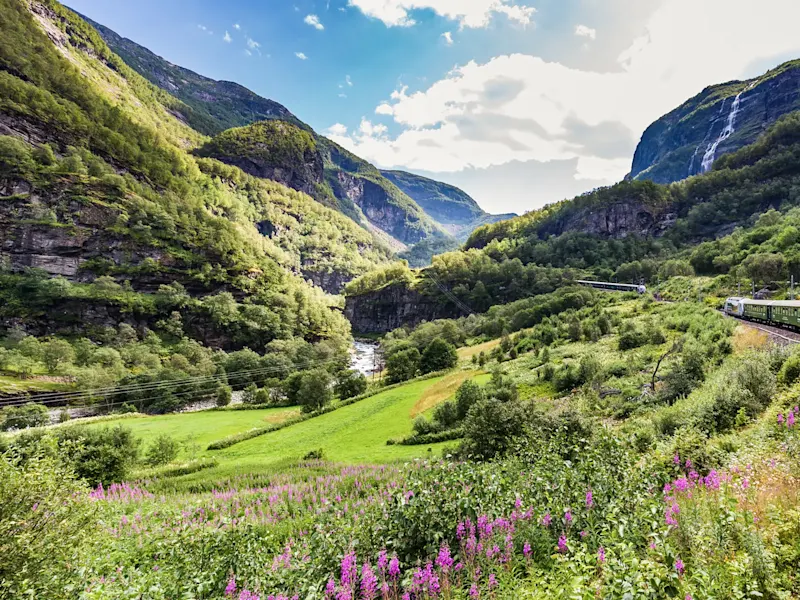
(708, 135)
(730, 127)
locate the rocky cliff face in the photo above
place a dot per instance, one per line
(719, 120)
(391, 307)
(617, 220)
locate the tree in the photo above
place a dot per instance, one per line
(438, 356)
(491, 427)
(349, 384)
(56, 353)
(99, 455)
(402, 365)
(22, 417)
(764, 268)
(315, 390)
(249, 394)
(468, 394)
(163, 450)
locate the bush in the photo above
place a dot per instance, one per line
(438, 356)
(163, 450)
(402, 365)
(22, 417)
(249, 394)
(349, 384)
(99, 456)
(45, 516)
(262, 396)
(491, 427)
(790, 371)
(468, 395)
(224, 395)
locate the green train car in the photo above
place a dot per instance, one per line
(780, 313)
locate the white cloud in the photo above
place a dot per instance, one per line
(301, 55)
(448, 38)
(348, 81)
(468, 13)
(227, 37)
(248, 53)
(236, 26)
(252, 44)
(337, 129)
(313, 20)
(342, 95)
(587, 32)
(523, 108)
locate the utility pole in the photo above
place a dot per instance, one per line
(754, 288)
(739, 292)
(792, 293)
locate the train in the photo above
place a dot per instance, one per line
(617, 287)
(779, 313)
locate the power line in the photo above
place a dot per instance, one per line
(54, 397)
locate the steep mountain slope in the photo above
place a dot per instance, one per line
(223, 104)
(719, 120)
(347, 182)
(97, 188)
(448, 205)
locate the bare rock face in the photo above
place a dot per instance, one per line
(719, 120)
(374, 202)
(391, 307)
(617, 220)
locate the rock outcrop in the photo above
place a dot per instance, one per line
(719, 120)
(392, 307)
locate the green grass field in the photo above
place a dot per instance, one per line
(352, 434)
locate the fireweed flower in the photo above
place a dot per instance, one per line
(526, 550)
(780, 418)
(349, 570)
(589, 499)
(394, 568)
(383, 561)
(330, 589)
(230, 589)
(473, 591)
(790, 420)
(601, 555)
(444, 561)
(546, 519)
(679, 566)
(369, 583)
(562, 544)
(568, 517)
(492, 581)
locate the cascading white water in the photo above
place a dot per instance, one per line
(701, 144)
(730, 127)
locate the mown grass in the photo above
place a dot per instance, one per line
(444, 389)
(196, 430)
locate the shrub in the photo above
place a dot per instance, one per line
(438, 356)
(468, 394)
(491, 427)
(249, 394)
(98, 455)
(45, 516)
(163, 450)
(790, 371)
(224, 395)
(262, 396)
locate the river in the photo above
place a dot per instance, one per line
(363, 357)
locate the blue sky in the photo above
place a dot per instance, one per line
(521, 102)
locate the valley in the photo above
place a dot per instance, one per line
(238, 361)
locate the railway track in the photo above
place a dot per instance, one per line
(776, 334)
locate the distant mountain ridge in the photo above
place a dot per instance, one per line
(448, 205)
(719, 120)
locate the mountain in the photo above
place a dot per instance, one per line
(106, 217)
(235, 116)
(631, 231)
(451, 207)
(720, 119)
(219, 105)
